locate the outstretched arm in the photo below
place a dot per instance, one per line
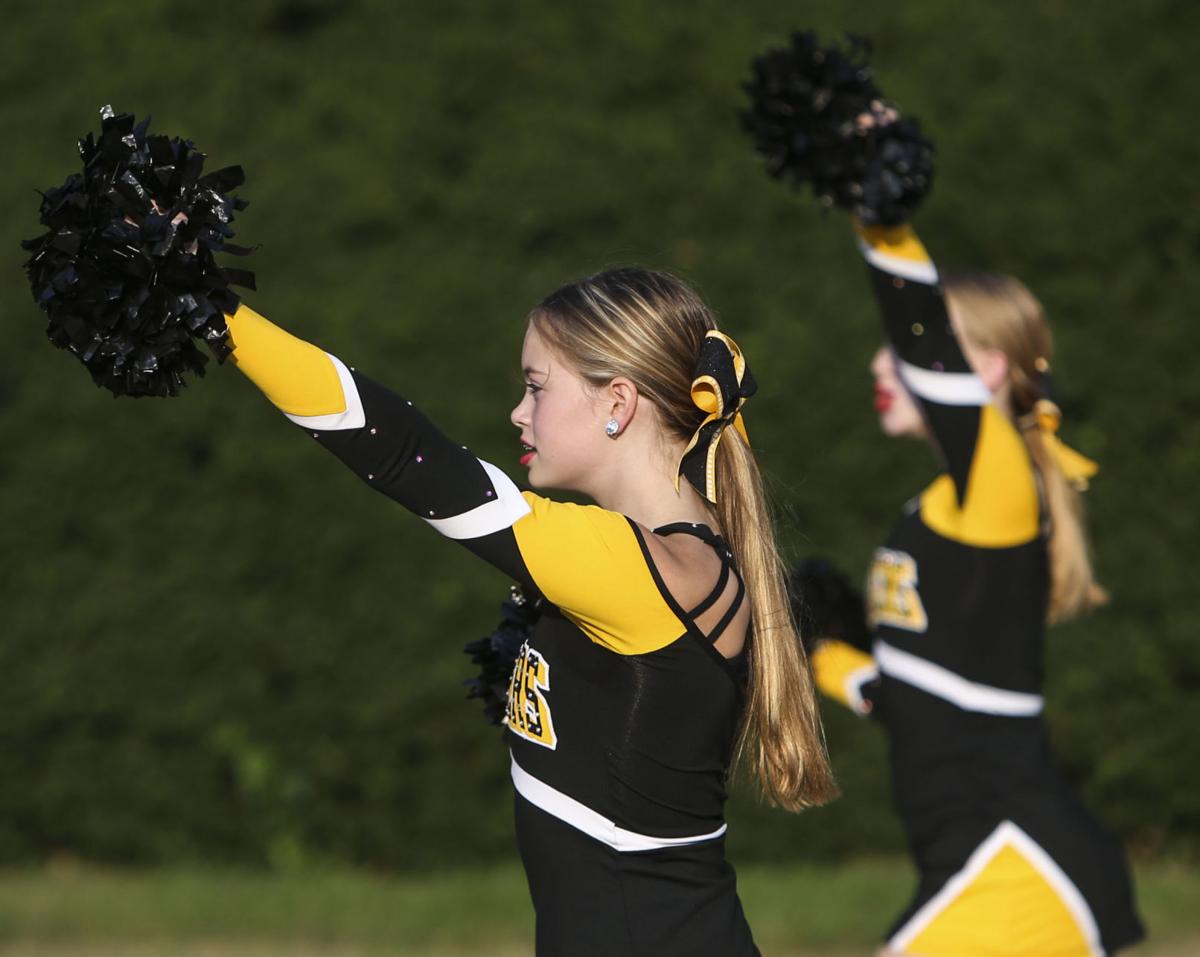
(577, 556)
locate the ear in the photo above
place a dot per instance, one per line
(623, 396)
(992, 367)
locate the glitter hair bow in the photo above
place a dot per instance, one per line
(721, 387)
(1076, 468)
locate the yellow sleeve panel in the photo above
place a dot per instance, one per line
(898, 241)
(1001, 506)
(295, 375)
(839, 669)
(588, 562)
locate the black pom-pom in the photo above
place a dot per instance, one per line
(496, 653)
(126, 272)
(817, 117)
(827, 605)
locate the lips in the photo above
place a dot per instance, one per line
(528, 453)
(883, 399)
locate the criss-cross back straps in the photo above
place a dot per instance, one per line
(707, 535)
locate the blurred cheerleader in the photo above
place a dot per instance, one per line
(1010, 861)
(949, 656)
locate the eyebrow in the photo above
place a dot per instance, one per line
(530, 371)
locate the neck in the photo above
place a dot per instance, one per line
(641, 485)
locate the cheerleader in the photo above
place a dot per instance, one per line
(950, 657)
(664, 645)
(1010, 861)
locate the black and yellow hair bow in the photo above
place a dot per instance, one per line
(721, 387)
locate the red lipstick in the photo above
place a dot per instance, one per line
(883, 399)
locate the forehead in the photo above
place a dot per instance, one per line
(537, 355)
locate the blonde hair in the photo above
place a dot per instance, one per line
(999, 312)
(649, 326)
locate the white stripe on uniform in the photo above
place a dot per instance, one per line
(592, 823)
(944, 388)
(508, 506)
(916, 270)
(945, 684)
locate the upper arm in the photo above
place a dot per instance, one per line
(592, 564)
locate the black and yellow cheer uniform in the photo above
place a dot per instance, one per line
(621, 714)
(1010, 862)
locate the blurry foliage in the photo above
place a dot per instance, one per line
(218, 646)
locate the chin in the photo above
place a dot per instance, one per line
(900, 427)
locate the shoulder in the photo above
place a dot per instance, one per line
(687, 566)
(1001, 507)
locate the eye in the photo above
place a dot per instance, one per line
(532, 388)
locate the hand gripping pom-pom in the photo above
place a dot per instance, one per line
(497, 653)
(125, 271)
(817, 118)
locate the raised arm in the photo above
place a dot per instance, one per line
(929, 358)
(988, 494)
(577, 556)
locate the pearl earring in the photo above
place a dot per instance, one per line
(611, 428)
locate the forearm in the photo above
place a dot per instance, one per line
(381, 436)
(299, 378)
(844, 673)
(930, 360)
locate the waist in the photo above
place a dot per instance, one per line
(943, 683)
(592, 822)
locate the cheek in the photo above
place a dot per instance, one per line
(904, 417)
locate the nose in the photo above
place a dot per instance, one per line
(520, 413)
(883, 363)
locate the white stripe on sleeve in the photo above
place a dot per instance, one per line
(508, 506)
(918, 271)
(944, 388)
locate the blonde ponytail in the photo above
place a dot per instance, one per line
(999, 312)
(1073, 586)
(781, 740)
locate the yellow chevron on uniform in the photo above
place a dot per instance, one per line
(1010, 904)
(1001, 507)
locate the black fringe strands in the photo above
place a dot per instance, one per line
(125, 272)
(497, 653)
(807, 105)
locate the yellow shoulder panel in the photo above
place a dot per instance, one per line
(587, 561)
(295, 375)
(898, 241)
(1001, 509)
(836, 667)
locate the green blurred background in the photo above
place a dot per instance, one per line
(220, 649)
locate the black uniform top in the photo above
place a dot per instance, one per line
(621, 715)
